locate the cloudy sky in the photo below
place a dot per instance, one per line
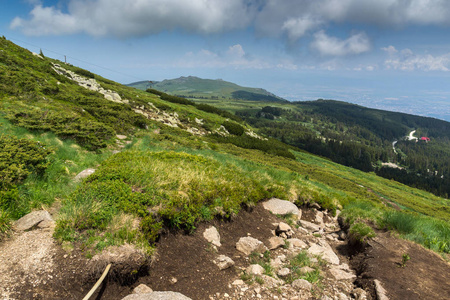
(392, 54)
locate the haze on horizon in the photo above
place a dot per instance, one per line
(388, 54)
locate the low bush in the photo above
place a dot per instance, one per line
(360, 233)
(233, 128)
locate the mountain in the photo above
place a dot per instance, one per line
(119, 175)
(194, 87)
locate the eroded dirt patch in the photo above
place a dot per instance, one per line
(425, 276)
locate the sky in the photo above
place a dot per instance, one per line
(388, 54)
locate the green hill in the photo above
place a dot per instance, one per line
(194, 87)
(165, 164)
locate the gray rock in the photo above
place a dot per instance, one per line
(283, 227)
(301, 284)
(340, 274)
(326, 252)
(84, 174)
(359, 294)
(248, 245)
(275, 242)
(212, 235)
(32, 219)
(224, 262)
(309, 226)
(283, 272)
(282, 207)
(142, 289)
(297, 243)
(381, 292)
(121, 137)
(271, 282)
(255, 270)
(157, 296)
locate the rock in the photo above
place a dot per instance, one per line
(32, 219)
(157, 296)
(381, 292)
(359, 294)
(255, 269)
(282, 207)
(283, 272)
(275, 242)
(326, 252)
(223, 262)
(301, 284)
(271, 282)
(342, 296)
(319, 217)
(173, 280)
(84, 174)
(121, 137)
(248, 245)
(315, 205)
(212, 235)
(342, 235)
(283, 227)
(238, 282)
(340, 274)
(142, 289)
(297, 243)
(310, 226)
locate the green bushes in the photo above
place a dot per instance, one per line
(233, 128)
(84, 72)
(360, 232)
(268, 146)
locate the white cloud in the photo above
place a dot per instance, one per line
(331, 46)
(297, 27)
(234, 57)
(407, 60)
(390, 50)
(136, 18)
(270, 17)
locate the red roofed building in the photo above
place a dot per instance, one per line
(424, 138)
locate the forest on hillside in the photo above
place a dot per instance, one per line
(362, 138)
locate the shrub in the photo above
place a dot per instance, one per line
(360, 232)
(233, 128)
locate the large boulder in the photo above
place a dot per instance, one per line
(248, 245)
(32, 219)
(282, 207)
(83, 174)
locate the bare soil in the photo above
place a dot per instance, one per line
(425, 276)
(33, 266)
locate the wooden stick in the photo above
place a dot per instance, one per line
(97, 283)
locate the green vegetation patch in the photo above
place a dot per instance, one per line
(170, 189)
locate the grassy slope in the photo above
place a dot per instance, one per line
(197, 87)
(171, 179)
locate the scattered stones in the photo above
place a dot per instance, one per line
(248, 245)
(84, 174)
(142, 289)
(282, 207)
(301, 284)
(276, 242)
(238, 282)
(255, 269)
(32, 219)
(212, 235)
(223, 262)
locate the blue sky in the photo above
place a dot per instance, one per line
(389, 54)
